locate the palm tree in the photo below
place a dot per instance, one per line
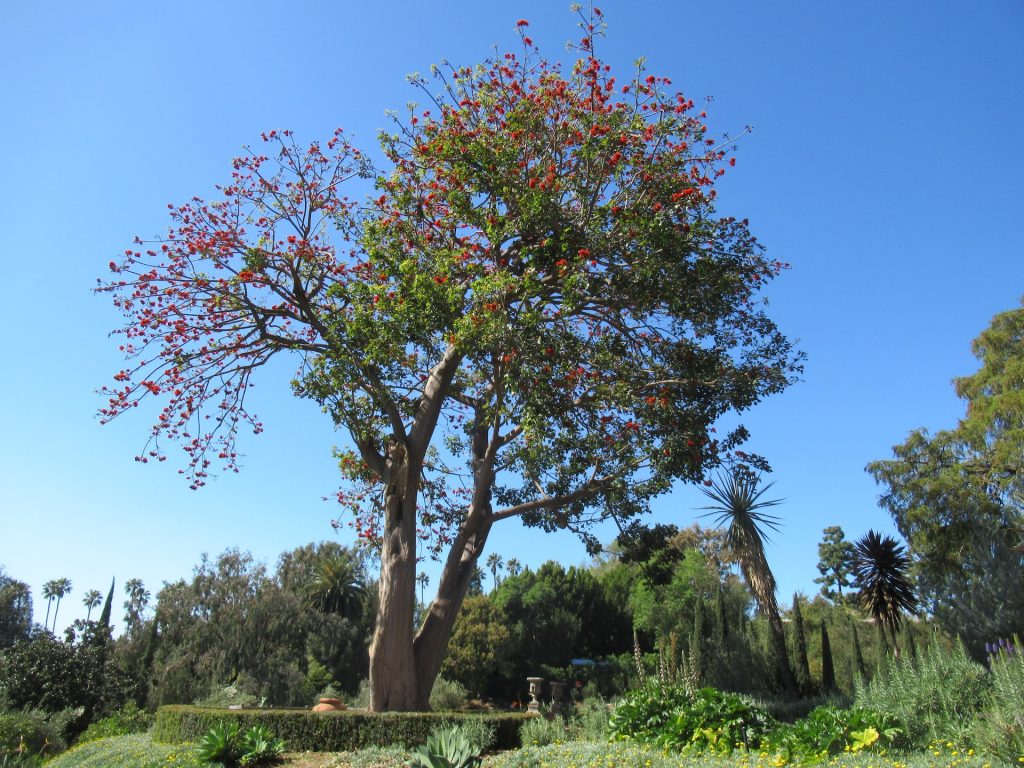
(494, 563)
(880, 566)
(90, 600)
(61, 587)
(49, 592)
(337, 588)
(138, 599)
(738, 504)
(513, 567)
(423, 580)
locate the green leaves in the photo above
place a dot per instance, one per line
(446, 748)
(225, 743)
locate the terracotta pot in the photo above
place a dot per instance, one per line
(329, 705)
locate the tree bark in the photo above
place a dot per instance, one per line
(778, 634)
(431, 642)
(393, 682)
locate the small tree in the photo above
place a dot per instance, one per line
(740, 508)
(835, 563)
(880, 565)
(828, 670)
(541, 282)
(801, 664)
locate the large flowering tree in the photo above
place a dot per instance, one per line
(538, 316)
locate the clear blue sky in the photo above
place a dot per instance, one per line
(885, 165)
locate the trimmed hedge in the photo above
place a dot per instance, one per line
(345, 731)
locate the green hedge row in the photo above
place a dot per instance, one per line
(329, 731)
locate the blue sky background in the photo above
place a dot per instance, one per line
(885, 165)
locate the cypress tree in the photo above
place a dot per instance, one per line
(105, 615)
(828, 672)
(698, 664)
(721, 634)
(801, 667)
(859, 669)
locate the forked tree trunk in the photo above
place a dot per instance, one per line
(403, 669)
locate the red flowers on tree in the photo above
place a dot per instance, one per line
(527, 286)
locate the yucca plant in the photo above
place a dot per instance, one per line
(740, 508)
(880, 566)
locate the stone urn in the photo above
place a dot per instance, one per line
(329, 705)
(535, 684)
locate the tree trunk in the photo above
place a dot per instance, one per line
(778, 635)
(431, 642)
(393, 681)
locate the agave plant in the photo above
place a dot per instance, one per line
(446, 748)
(880, 566)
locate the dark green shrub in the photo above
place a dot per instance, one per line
(329, 731)
(128, 719)
(831, 730)
(23, 733)
(41, 673)
(447, 695)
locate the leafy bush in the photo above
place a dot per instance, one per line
(128, 719)
(446, 748)
(646, 710)
(831, 730)
(24, 733)
(707, 720)
(934, 695)
(330, 731)
(41, 673)
(999, 730)
(717, 722)
(135, 750)
(447, 695)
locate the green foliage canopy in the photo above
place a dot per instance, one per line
(957, 496)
